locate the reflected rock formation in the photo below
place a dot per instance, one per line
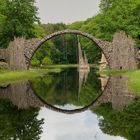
(115, 92)
(83, 75)
(21, 95)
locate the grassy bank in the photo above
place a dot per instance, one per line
(16, 76)
(116, 72)
(133, 80)
(61, 66)
(7, 76)
(65, 66)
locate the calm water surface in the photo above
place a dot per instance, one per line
(74, 104)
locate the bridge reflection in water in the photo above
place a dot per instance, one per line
(114, 88)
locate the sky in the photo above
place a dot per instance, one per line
(80, 126)
(66, 11)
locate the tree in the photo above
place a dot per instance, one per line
(17, 123)
(105, 4)
(35, 62)
(115, 15)
(125, 123)
(63, 88)
(18, 18)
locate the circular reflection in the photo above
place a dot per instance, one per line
(69, 91)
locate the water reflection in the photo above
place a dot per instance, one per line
(83, 75)
(69, 87)
(82, 126)
(124, 123)
(111, 115)
(21, 95)
(116, 92)
(19, 124)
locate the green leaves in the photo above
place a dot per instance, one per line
(17, 18)
(19, 123)
(125, 123)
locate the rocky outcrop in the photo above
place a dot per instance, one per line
(123, 53)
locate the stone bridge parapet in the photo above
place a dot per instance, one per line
(120, 54)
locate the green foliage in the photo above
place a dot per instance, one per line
(46, 50)
(92, 51)
(54, 48)
(35, 62)
(19, 123)
(133, 80)
(16, 76)
(125, 123)
(76, 25)
(105, 5)
(39, 31)
(63, 88)
(50, 28)
(47, 61)
(114, 15)
(18, 18)
(63, 49)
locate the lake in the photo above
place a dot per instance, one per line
(69, 105)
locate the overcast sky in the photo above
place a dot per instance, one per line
(67, 11)
(80, 126)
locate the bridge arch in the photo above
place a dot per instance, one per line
(120, 53)
(103, 45)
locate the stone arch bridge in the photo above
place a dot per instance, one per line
(120, 54)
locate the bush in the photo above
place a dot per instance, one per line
(35, 62)
(47, 61)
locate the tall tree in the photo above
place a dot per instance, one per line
(18, 18)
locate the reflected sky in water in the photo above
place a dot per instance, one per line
(82, 126)
(62, 90)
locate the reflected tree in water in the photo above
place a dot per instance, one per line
(19, 123)
(62, 89)
(125, 123)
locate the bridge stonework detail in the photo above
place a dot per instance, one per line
(120, 54)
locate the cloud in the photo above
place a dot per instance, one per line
(66, 11)
(82, 126)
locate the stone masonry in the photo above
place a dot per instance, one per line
(123, 52)
(120, 54)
